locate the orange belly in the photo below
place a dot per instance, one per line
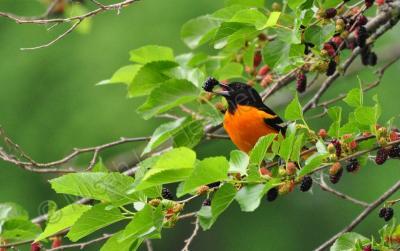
(246, 126)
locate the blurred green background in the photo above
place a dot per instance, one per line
(49, 104)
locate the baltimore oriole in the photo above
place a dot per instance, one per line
(247, 117)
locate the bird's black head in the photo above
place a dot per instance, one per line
(235, 93)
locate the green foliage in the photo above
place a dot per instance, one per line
(107, 187)
(347, 241)
(221, 201)
(94, 219)
(173, 166)
(62, 219)
(206, 171)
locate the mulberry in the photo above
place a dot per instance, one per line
(331, 68)
(381, 156)
(353, 165)
(272, 194)
(166, 194)
(301, 81)
(306, 184)
(209, 84)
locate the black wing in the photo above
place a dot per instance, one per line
(277, 123)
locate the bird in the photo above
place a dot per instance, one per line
(247, 118)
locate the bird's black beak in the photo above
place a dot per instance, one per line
(225, 92)
(222, 93)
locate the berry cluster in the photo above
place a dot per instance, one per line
(306, 184)
(166, 194)
(386, 213)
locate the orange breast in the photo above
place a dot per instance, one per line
(246, 126)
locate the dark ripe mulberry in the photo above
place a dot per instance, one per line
(394, 152)
(166, 194)
(330, 13)
(382, 212)
(301, 81)
(372, 58)
(388, 214)
(331, 68)
(368, 3)
(207, 202)
(353, 165)
(272, 194)
(361, 20)
(361, 35)
(306, 184)
(338, 147)
(214, 184)
(336, 177)
(209, 84)
(381, 156)
(365, 52)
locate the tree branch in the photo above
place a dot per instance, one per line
(191, 238)
(44, 20)
(361, 216)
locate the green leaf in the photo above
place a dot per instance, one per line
(258, 152)
(335, 113)
(10, 210)
(312, 162)
(62, 219)
(229, 71)
(206, 171)
(272, 19)
(297, 146)
(173, 166)
(114, 243)
(249, 196)
(198, 31)
(293, 110)
(205, 217)
(151, 53)
(354, 97)
(99, 167)
(250, 3)
(220, 202)
(19, 230)
(189, 135)
(164, 132)
(331, 3)
(318, 35)
(366, 115)
(347, 242)
(149, 77)
(286, 147)
(107, 187)
(225, 30)
(250, 16)
(227, 12)
(94, 219)
(168, 95)
(222, 199)
(238, 162)
(123, 75)
(295, 4)
(145, 222)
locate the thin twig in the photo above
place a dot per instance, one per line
(361, 216)
(191, 238)
(44, 20)
(82, 245)
(149, 245)
(326, 188)
(73, 27)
